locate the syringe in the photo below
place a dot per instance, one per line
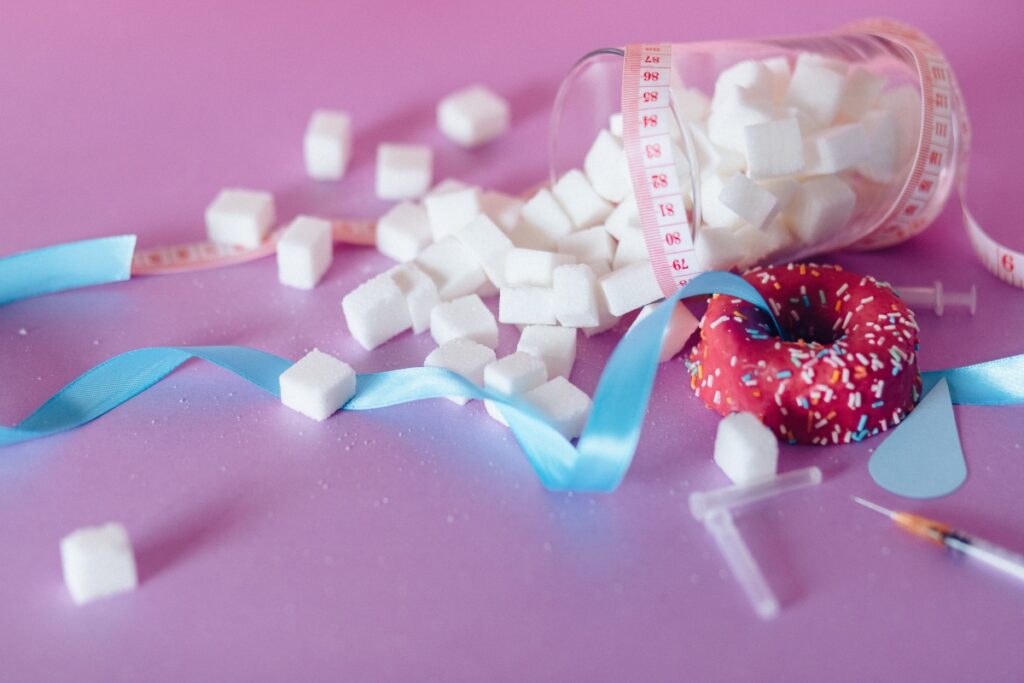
(984, 551)
(938, 298)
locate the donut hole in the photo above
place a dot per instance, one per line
(813, 325)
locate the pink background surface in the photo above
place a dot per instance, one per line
(415, 542)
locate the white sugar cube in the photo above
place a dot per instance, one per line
(756, 205)
(464, 357)
(681, 325)
(403, 232)
(820, 209)
(592, 244)
(403, 171)
(745, 449)
(304, 252)
(626, 215)
(533, 267)
(599, 266)
(583, 205)
(746, 78)
(816, 89)
(513, 375)
(815, 59)
(606, 168)
(718, 248)
(632, 248)
(98, 562)
(689, 103)
(781, 73)
(449, 212)
(774, 148)
(317, 385)
(713, 212)
(727, 124)
(376, 311)
(327, 145)
(782, 188)
(448, 185)
(860, 94)
(565, 405)
(556, 346)
(905, 104)
(485, 240)
(629, 288)
(473, 116)
(526, 306)
(464, 318)
(882, 163)
(837, 149)
(240, 217)
(420, 291)
(615, 124)
(503, 209)
(453, 267)
(543, 222)
(575, 296)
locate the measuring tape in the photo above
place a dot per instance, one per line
(663, 218)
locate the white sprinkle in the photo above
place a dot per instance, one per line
(718, 322)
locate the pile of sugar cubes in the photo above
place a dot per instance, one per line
(785, 148)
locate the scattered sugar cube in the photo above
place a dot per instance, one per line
(526, 306)
(615, 124)
(449, 212)
(575, 296)
(820, 209)
(774, 148)
(403, 232)
(317, 385)
(533, 267)
(503, 209)
(860, 94)
(632, 248)
(327, 144)
(420, 291)
(98, 562)
(583, 205)
(629, 288)
(403, 171)
(473, 116)
(681, 325)
(464, 318)
(376, 311)
(453, 267)
(513, 375)
(592, 244)
(556, 346)
(745, 449)
(750, 201)
(626, 215)
(304, 252)
(489, 246)
(713, 212)
(882, 163)
(543, 223)
(240, 217)
(837, 149)
(607, 169)
(563, 404)
(816, 89)
(464, 357)
(605, 320)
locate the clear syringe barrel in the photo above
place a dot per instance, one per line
(704, 503)
(742, 564)
(938, 298)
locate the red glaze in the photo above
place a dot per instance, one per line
(851, 373)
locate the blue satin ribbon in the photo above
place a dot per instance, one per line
(991, 383)
(66, 266)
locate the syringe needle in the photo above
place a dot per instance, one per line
(891, 514)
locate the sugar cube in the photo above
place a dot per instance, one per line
(743, 79)
(403, 171)
(513, 375)
(526, 306)
(473, 116)
(605, 320)
(403, 232)
(533, 267)
(837, 149)
(726, 124)
(317, 385)
(615, 124)
(98, 562)
(592, 244)
(632, 248)
(304, 252)
(681, 325)
(629, 288)
(464, 318)
(606, 168)
(543, 222)
(420, 291)
(488, 244)
(327, 145)
(882, 163)
(781, 73)
(745, 449)
(575, 296)
(583, 205)
(503, 209)
(713, 212)
(905, 103)
(563, 404)
(782, 188)
(448, 185)
(689, 103)
(599, 266)
(718, 248)
(820, 209)
(376, 311)
(449, 212)
(453, 267)
(816, 89)
(240, 217)
(774, 148)
(556, 346)
(756, 205)
(860, 94)
(625, 215)
(464, 357)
